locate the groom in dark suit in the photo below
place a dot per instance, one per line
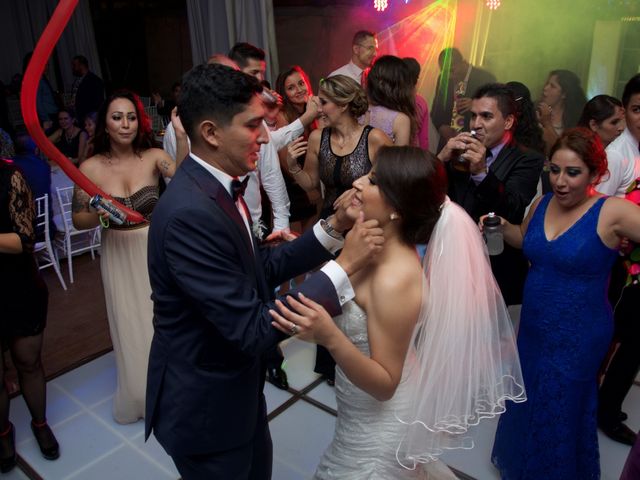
(500, 176)
(212, 286)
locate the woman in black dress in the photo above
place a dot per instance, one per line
(24, 297)
(337, 155)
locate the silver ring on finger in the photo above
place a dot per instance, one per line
(294, 329)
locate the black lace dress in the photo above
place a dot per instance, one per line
(337, 173)
(23, 293)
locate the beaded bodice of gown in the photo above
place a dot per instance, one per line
(142, 201)
(337, 173)
(367, 432)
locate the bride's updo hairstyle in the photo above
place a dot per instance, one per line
(414, 182)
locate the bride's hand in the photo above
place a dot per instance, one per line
(305, 319)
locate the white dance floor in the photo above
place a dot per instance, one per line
(94, 447)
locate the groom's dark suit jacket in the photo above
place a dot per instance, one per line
(211, 297)
(510, 185)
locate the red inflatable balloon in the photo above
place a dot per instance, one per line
(30, 82)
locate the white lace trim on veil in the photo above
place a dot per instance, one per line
(467, 363)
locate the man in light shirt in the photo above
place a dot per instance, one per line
(364, 49)
(623, 155)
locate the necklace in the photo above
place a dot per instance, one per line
(68, 137)
(345, 138)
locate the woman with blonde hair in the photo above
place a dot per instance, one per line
(337, 155)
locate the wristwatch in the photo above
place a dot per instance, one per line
(329, 230)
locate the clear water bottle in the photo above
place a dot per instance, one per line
(492, 227)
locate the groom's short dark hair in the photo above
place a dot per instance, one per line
(214, 92)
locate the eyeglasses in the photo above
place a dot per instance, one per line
(368, 47)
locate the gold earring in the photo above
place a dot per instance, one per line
(394, 216)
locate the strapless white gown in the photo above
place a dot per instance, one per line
(367, 432)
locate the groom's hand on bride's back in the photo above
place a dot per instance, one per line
(361, 245)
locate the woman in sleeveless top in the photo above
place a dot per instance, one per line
(336, 156)
(422, 352)
(69, 138)
(560, 104)
(127, 168)
(392, 105)
(571, 237)
(295, 88)
(343, 150)
(24, 298)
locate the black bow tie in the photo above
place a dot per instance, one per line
(238, 187)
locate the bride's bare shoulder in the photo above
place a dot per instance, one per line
(400, 278)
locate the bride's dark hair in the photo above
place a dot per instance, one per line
(413, 181)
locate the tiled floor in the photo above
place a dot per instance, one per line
(94, 447)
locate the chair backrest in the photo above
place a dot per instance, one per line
(65, 200)
(42, 214)
(156, 120)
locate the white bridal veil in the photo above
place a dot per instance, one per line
(467, 363)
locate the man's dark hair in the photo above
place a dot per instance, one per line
(214, 92)
(361, 35)
(82, 60)
(452, 53)
(503, 95)
(631, 88)
(243, 51)
(24, 144)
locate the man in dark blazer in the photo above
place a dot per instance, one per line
(455, 74)
(88, 88)
(489, 172)
(213, 286)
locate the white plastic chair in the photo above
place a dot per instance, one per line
(156, 120)
(44, 253)
(74, 241)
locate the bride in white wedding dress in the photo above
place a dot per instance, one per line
(426, 349)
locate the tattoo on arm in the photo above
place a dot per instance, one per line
(80, 202)
(165, 166)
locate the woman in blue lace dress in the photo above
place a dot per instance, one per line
(570, 237)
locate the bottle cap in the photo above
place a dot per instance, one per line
(491, 220)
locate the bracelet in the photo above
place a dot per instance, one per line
(296, 171)
(329, 230)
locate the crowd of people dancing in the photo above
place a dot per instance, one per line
(335, 219)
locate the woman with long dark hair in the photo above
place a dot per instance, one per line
(570, 237)
(561, 104)
(70, 139)
(392, 104)
(127, 167)
(337, 155)
(527, 131)
(422, 352)
(294, 87)
(604, 115)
